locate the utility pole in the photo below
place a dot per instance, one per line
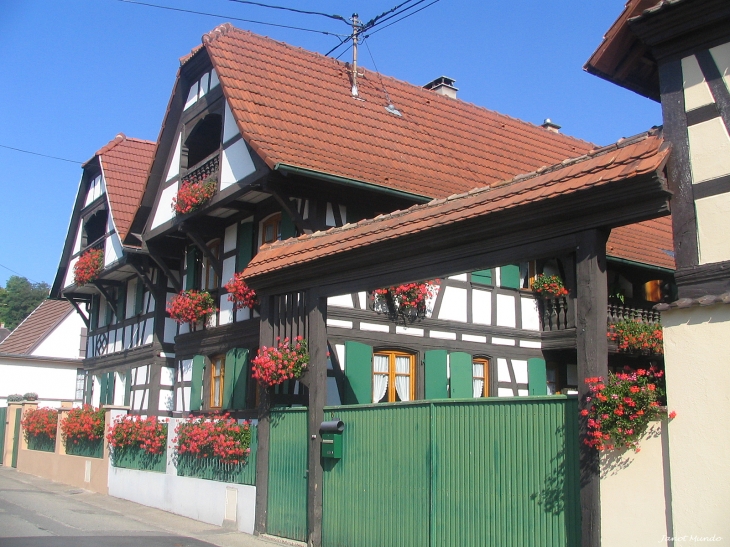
(355, 31)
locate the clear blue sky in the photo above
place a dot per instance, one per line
(77, 72)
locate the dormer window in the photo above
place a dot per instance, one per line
(204, 139)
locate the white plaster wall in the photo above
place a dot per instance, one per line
(481, 307)
(230, 129)
(52, 383)
(175, 162)
(709, 150)
(64, 341)
(635, 494)
(69, 279)
(236, 164)
(453, 305)
(713, 226)
(229, 239)
(506, 311)
(340, 301)
(112, 249)
(696, 91)
(197, 499)
(697, 354)
(530, 313)
(164, 211)
(721, 55)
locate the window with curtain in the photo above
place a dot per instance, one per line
(393, 376)
(217, 370)
(480, 377)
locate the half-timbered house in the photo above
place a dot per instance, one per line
(126, 353)
(293, 152)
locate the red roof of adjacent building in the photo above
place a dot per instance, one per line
(647, 242)
(294, 107)
(34, 328)
(631, 158)
(126, 163)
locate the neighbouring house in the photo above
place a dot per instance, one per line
(678, 52)
(44, 355)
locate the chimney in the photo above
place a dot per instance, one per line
(550, 126)
(443, 86)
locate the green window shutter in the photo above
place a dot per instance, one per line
(139, 298)
(127, 388)
(509, 277)
(358, 373)
(109, 313)
(110, 388)
(121, 302)
(103, 380)
(196, 386)
(245, 245)
(537, 376)
(94, 319)
(234, 379)
(436, 379)
(482, 276)
(461, 375)
(287, 226)
(192, 279)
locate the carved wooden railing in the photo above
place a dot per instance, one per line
(556, 314)
(209, 167)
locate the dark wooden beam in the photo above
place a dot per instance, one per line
(266, 337)
(111, 301)
(197, 239)
(144, 278)
(592, 347)
(240, 206)
(316, 381)
(84, 317)
(160, 261)
(289, 205)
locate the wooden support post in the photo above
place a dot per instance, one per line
(317, 384)
(266, 338)
(592, 345)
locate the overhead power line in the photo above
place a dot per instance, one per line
(18, 273)
(336, 17)
(404, 17)
(218, 16)
(39, 154)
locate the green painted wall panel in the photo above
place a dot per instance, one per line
(3, 419)
(287, 504)
(509, 276)
(537, 376)
(435, 370)
(485, 277)
(377, 495)
(287, 226)
(358, 373)
(461, 375)
(245, 245)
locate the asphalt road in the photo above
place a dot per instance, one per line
(35, 512)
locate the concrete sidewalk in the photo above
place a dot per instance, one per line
(36, 512)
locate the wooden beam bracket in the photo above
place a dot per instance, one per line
(111, 301)
(289, 205)
(200, 244)
(144, 278)
(84, 317)
(161, 263)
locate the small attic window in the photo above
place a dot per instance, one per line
(204, 139)
(94, 227)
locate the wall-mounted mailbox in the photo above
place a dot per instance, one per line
(332, 438)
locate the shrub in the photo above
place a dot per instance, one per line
(88, 266)
(147, 434)
(287, 361)
(221, 438)
(40, 422)
(15, 398)
(83, 425)
(30, 396)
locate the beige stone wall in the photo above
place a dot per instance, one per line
(697, 357)
(635, 496)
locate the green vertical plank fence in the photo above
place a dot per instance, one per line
(16, 438)
(287, 503)
(3, 419)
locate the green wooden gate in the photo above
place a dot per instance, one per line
(482, 472)
(16, 438)
(3, 419)
(287, 503)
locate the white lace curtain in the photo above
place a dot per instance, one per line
(403, 383)
(478, 379)
(380, 381)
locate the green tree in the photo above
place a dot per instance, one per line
(19, 298)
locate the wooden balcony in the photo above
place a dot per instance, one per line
(556, 314)
(209, 167)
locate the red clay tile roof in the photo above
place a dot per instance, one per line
(631, 158)
(294, 107)
(648, 242)
(126, 163)
(35, 327)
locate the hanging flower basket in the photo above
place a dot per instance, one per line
(88, 267)
(622, 407)
(407, 301)
(239, 293)
(192, 195)
(287, 361)
(635, 337)
(222, 439)
(191, 306)
(549, 285)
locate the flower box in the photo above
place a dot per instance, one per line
(88, 267)
(550, 286)
(138, 443)
(83, 432)
(407, 301)
(136, 458)
(193, 195)
(42, 443)
(88, 449)
(39, 428)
